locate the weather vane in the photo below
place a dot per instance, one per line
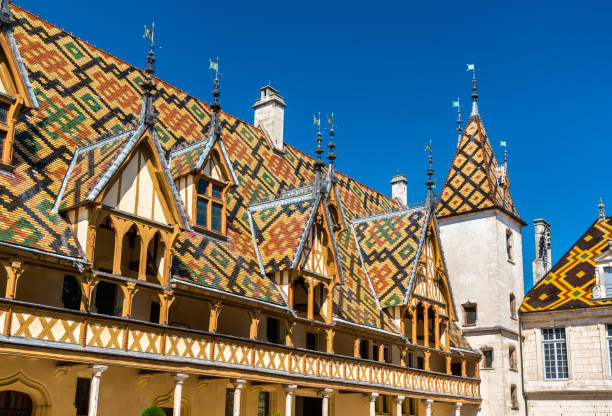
(149, 34)
(214, 65)
(330, 121)
(472, 67)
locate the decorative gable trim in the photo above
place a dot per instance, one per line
(33, 102)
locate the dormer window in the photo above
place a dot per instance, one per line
(211, 188)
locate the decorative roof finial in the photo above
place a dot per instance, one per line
(331, 156)
(602, 211)
(5, 13)
(215, 106)
(148, 113)
(457, 105)
(430, 181)
(472, 67)
(504, 144)
(319, 150)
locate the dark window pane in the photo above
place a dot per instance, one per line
(273, 330)
(201, 211)
(488, 358)
(105, 298)
(3, 112)
(470, 315)
(229, 402)
(363, 349)
(215, 217)
(217, 191)
(311, 341)
(263, 403)
(154, 315)
(2, 138)
(81, 396)
(71, 293)
(456, 369)
(203, 187)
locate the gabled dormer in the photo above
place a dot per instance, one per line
(204, 175)
(16, 95)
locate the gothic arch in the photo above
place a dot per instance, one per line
(41, 402)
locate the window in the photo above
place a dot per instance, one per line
(81, 396)
(555, 354)
(487, 358)
(383, 405)
(273, 330)
(514, 397)
(363, 349)
(263, 403)
(375, 352)
(229, 402)
(420, 363)
(512, 306)
(387, 354)
(608, 276)
(15, 403)
(512, 357)
(609, 337)
(210, 205)
(71, 293)
(469, 311)
(509, 245)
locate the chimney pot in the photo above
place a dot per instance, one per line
(542, 262)
(399, 189)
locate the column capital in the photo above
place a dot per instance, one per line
(239, 383)
(458, 405)
(97, 369)
(327, 392)
(429, 402)
(372, 396)
(179, 377)
(400, 399)
(290, 388)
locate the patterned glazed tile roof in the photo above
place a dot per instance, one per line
(457, 339)
(183, 161)
(389, 245)
(472, 183)
(84, 93)
(88, 166)
(278, 229)
(569, 283)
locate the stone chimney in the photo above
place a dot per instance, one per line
(270, 115)
(542, 262)
(399, 189)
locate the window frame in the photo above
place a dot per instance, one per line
(466, 306)
(513, 314)
(555, 342)
(512, 358)
(484, 358)
(608, 334)
(210, 200)
(514, 403)
(509, 245)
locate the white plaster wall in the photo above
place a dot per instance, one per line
(479, 270)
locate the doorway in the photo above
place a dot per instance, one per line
(308, 406)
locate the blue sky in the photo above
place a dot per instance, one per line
(389, 71)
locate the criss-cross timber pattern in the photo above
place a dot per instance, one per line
(472, 183)
(389, 245)
(86, 95)
(570, 282)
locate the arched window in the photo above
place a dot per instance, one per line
(104, 246)
(15, 403)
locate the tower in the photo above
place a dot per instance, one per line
(480, 230)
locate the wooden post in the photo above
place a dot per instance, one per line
(215, 311)
(121, 226)
(289, 332)
(14, 270)
(448, 365)
(426, 325)
(447, 335)
(129, 290)
(310, 298)
(427, 355)
(255, 317)
(145, 233)
(437, 329)
(381, 352)
(329, 337)
(165, 301)
(356, 349)
(463, 368)
(414, 325)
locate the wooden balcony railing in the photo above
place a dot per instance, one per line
(111, 334)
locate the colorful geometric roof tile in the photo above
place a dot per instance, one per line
(192, 157)
(279, 227)
(84, 93)
(475, 181)
(569, 284)
(457, 338)
(389, 244)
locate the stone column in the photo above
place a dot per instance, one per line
(428, 404)
(94, 390)
(289, 399)
(398, 405)
(458, 408)
(179, 378)
(373, 397)
(238, 385)
(325, 402)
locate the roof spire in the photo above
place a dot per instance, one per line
(331, 156)
(457, 105)
(602, 211)
(148, 113)
(318, 165)
(504, 144)
(472, 67)
(215, 106)
(430, 182)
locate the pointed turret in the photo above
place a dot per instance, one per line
(475, 181)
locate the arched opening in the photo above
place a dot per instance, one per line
(190, 313)
(320, 302)
(234, 321)
(431, 325)
(104, 248)
(443, 337)
(15, 403)
(146, 306)
(107, 299)
(300, 297)
(155, 259)
(130, 253)
(36, 392)
(41, 291)
(420, 317)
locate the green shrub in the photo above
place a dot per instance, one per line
(153, 411)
